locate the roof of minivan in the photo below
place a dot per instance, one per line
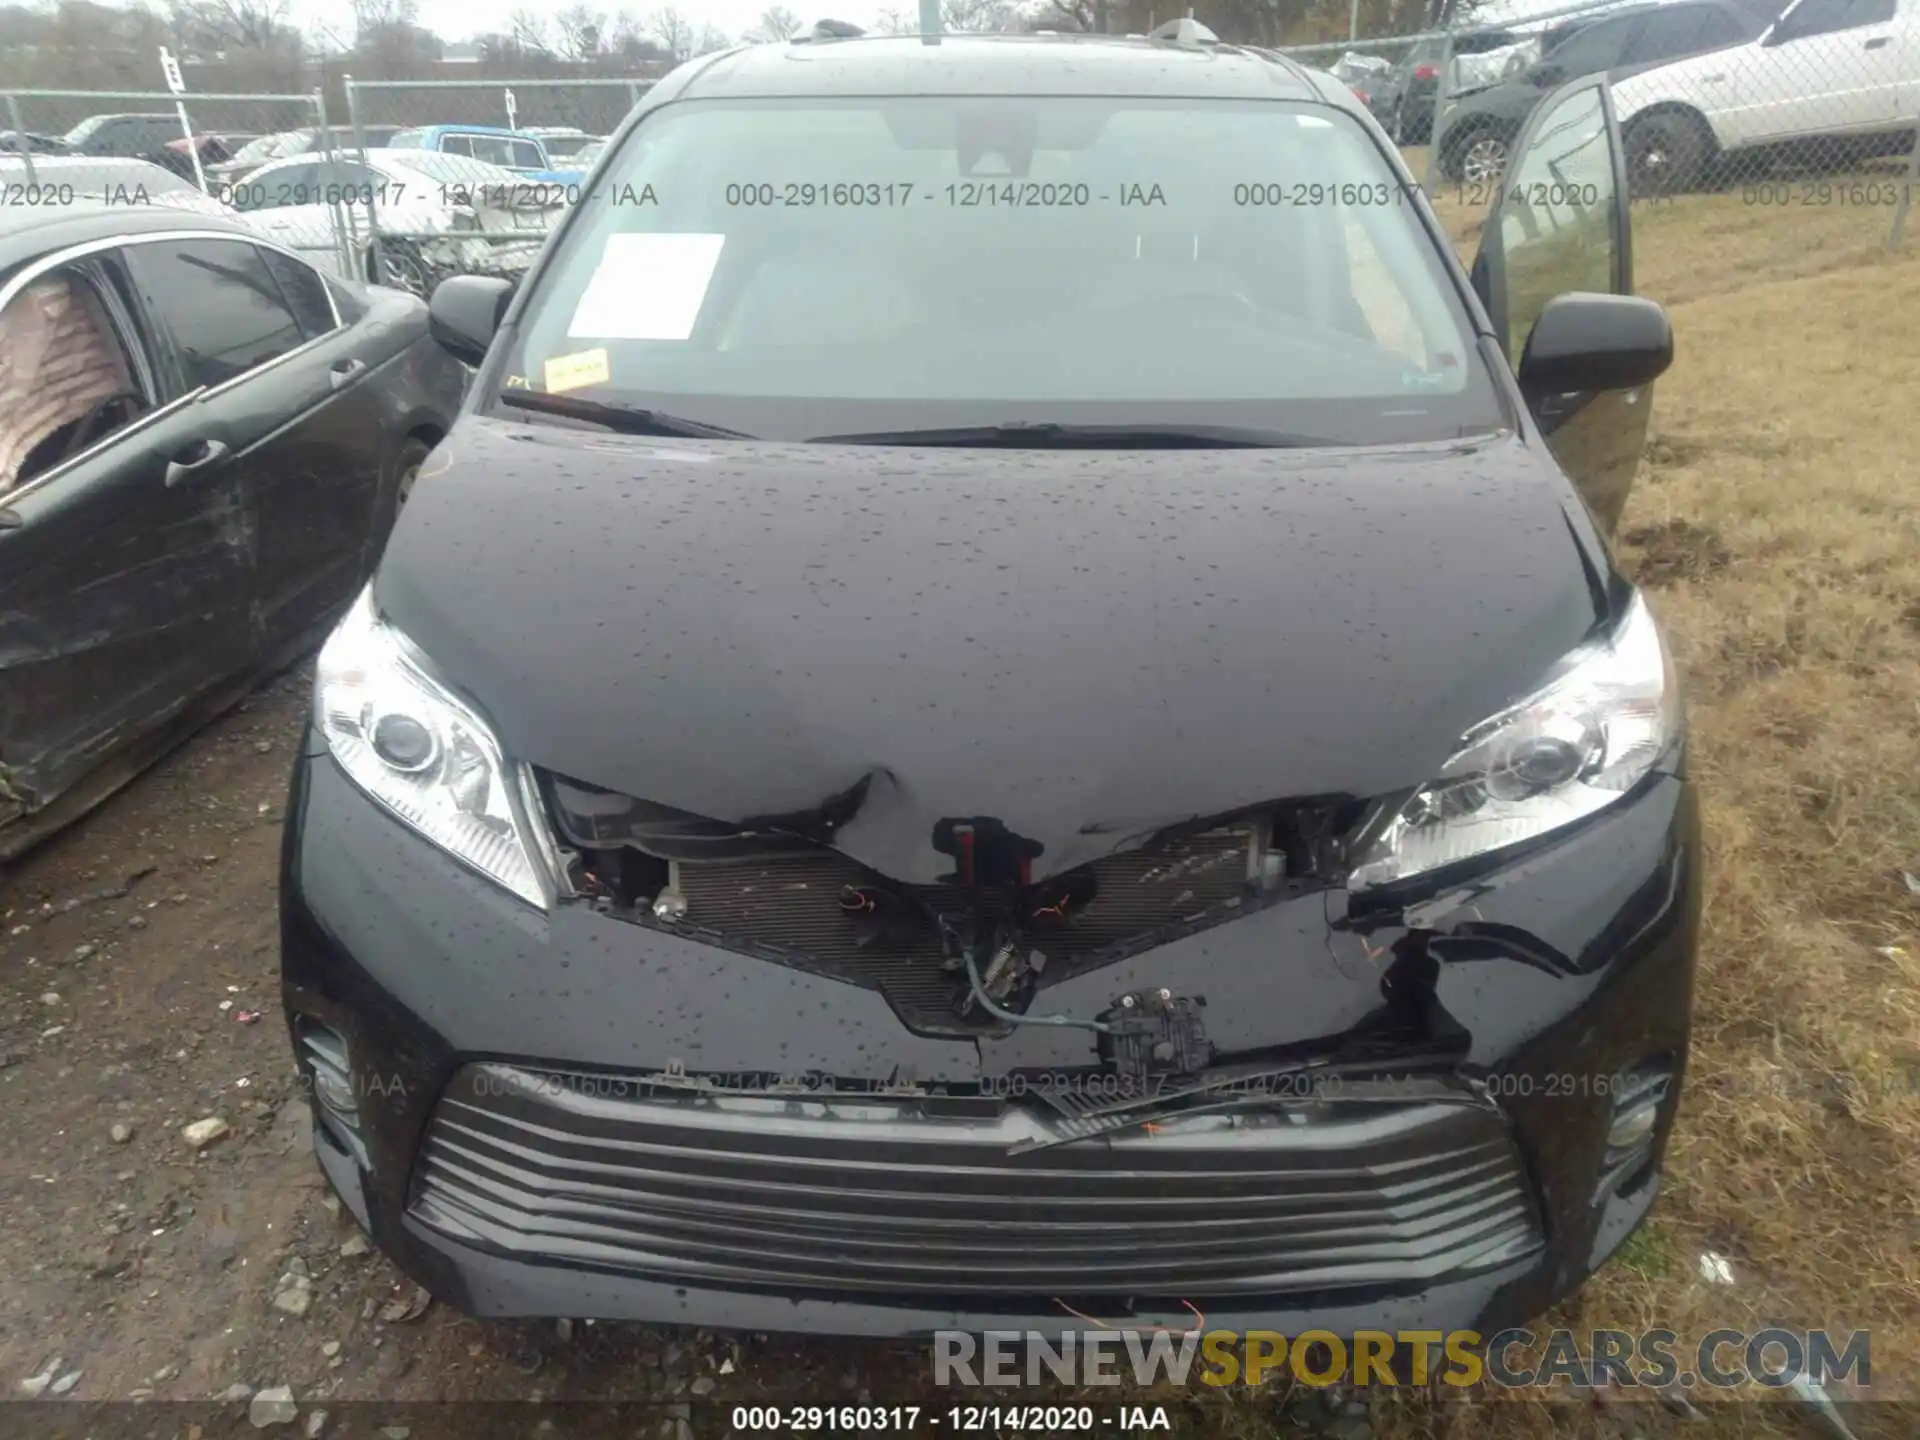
(1006, 65)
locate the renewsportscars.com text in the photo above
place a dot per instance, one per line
(1511, 1359)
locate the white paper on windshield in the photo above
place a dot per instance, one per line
(647, 287)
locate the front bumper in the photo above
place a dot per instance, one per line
(503, 1156)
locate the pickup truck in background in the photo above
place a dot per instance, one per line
(523, 153)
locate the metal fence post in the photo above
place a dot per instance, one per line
(1430, 182)
(1899, 210)
(26, 149)
(360, 144)
(342, 246)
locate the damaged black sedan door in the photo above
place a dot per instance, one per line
(126, 585)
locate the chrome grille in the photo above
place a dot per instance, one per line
(876, 1197)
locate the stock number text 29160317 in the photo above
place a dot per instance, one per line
(958, 195)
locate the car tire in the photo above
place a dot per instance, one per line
(1667, 153)
(1478, 157)
(401, 267)
(413, 454)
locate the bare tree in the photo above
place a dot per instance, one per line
(580, 32)
(232, 24)
(777, 23)
(673, 33)
(957, 17)
(710, 39)
(528, 30)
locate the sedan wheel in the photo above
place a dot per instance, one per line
(1484, 161)
(1665, 155)
(402, 268)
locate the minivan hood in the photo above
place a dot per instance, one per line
(1085, 645)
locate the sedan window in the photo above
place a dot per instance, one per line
(1685, 30)
(304, 291)
(1598, 47)
(67, 378)
(1824, 17)
(221, 303)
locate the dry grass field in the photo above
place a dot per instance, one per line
(1776, 527)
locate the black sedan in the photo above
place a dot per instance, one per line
(1477, 128)
(990, 709)
(203, 442)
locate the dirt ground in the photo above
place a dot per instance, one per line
(1775, 527)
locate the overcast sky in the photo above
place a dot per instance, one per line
(462, 19)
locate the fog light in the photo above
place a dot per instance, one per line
(1638, 1095)
(1633, 1129)
(324, 1057)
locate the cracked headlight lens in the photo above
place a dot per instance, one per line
(423, 754)
(1573, 747)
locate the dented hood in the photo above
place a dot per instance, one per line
(1084, 645)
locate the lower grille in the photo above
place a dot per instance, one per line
(875, 1197)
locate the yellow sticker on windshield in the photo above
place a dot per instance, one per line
(576, 371)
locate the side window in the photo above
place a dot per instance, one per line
(221, 304)
(1555, 227)
(67, 378)
(490, 148)
(456, 145)
(1683, 30)
(304, 291)
(525, 155)
(1598, 47)
(1824, 17)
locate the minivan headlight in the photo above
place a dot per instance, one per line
(1573, 747)
(419, 751)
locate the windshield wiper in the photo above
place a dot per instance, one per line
(1051, 433)
(627, 419)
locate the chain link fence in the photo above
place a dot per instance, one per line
(414, 182)
(475, 174)
(1785, 107)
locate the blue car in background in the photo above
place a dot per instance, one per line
(514, 150)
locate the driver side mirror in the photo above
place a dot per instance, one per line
(465, 312)
(1544, 75)
(1585, 342)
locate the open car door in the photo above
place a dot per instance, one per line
(1561, 225)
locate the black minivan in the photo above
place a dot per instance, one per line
(1010, 697)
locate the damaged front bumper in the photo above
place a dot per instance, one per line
(569, 1114)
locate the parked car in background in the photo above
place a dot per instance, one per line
(178, 154)
(435, 213)
(522, 153)
(125, 135)
(284, 143)
(1362, 74)
(1830, 82)
(562, 142)
(62, 181)
(589, 155)
(1477, 127)
(1404, 104)
(203, 444)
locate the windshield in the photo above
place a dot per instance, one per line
(794, 269)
